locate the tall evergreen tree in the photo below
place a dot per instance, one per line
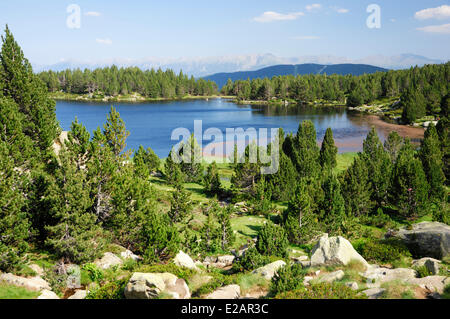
(211, 181)
(191, 164)
(75, 236)
(180, 204)
(226, 235)
(21, 85)
(298, 219)
(328, 151)
(443, 129)
(431, 157)
(115, 132)
(392, 145)
(307, 150)
(356, 188)
(409, 191)
(332, 208)
(14, 222)
(379, 167)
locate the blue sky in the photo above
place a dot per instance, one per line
(137, 29)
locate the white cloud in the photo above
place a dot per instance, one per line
(270, 16)
(306, 37)
(92, 14)
(441, 29)
(342, 10)
(106, 41)
(314, 6)
(441, 12)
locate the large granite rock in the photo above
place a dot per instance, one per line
(108, 260)
(47, 294)
(374, 293)
(431, 264)
(426, 239)
(151, 285)
(335, 250)
(78, 295)
(268, 271)
(183, 260)
(431, 283)
(377, 276)
(35, 283)
(227, 292)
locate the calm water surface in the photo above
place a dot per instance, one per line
(151, 124)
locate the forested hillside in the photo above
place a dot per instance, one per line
(113, 81)
(298, 69)
(420, 90)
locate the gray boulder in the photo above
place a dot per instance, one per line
(353, 285)
(335, 250)
(183, 260)
(333, 276)
(226, 292)
(227, 260)
(431, 264)
(108, 260)
(268, 271)
(426, 239)
(377, 276)
(151, 285)
(35, 283)
(79, 294)
(47, 294)
(374, 293)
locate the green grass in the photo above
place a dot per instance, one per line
(13, 292)
(250, 281)
(246, 227)
(344, 160)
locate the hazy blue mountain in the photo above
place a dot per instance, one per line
(204, 66)
(298, 69)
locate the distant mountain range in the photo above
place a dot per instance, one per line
(204, 66)
(298, 69)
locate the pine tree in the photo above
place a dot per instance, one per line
(180, 204)
(379, 167)
(431, 157)
(356, 188)
(307, 151)
(209, 232)
(332, 208)
(409, 191)
(226, 235)
(443, 129)
(211, 181)
(414, 105)
(191, 165)
(145, 162)
(133, 200)
(272, 240)
(283, 183)
(115, 132)
(262, 204)
(298, 219)
(392, 145)
(21, 85)
(76, 236)
(159, 239)
(14, 222)
(246, 174)
(328, 152)
(172, 168)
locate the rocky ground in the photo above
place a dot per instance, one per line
(332, 260)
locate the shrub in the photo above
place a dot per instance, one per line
(322, 291)
(384, 251)
(95, 274)
(112, 290)
(287, 278)
(272, 240)
(423, 272)
(250, 260)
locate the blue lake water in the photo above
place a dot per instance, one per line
(151, 124)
